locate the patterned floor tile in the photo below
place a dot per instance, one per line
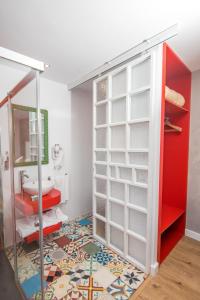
(65, 265)
(90, 266)
(79, 256)
(77, 266)
(85, 222)
(84, 230)
(26, 271)
(48, 248)
(52, 273)
(103, 257)
(91, 248)
(78, 275)
(58, 255)
(104, 277)
(132, 277)
(62, 241)
(117, 266)
(32, 285)
(92, 290)
(105, 296)
(48, 295)
(74, 294)
(119, 290)
(61, 287)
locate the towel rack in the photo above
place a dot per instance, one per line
(171, 127)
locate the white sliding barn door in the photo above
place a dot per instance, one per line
(122, 188)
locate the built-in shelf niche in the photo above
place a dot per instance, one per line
(101, 114)
(137, 196)
(138, 158)
(118, 110)
(139, 135)
(119, 83)
(139, 105)
(137, 222)
(118, 137)
(141, 75)
(117, 213)
(117, 190)
(102, 90)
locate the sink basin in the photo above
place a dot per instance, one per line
(31, 187)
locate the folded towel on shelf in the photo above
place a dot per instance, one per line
(174, 97)
(27, 226)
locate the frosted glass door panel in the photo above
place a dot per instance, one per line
(118, 137)
(141, 75)
(117, 190)
(101, 206)
(140, 105)
(138, 158)
(118, 157)
(125, 173)
(139, 135)
(102, 90)
(138, 196)
(101, 186)
(137, 222)
(101, 114)
(119, 83)
(101, 170)
(113, 172)
(101, 156)
(117, 238)
(117, 213)
(137, 250)
(118, 110)
(100, 228)
(101, 138)
(141, 176)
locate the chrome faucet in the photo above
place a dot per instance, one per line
(23, 175)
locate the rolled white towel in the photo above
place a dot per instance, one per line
(174, 97)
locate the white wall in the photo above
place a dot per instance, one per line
(81, 153)
(56, 99)
(193, 206)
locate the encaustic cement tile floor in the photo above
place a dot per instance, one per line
(77, 266)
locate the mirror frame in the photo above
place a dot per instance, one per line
(46, 138)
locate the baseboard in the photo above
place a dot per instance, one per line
(154, 269)
(192, 234)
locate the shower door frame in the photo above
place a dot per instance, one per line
(36, 67)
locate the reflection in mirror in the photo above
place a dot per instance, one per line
(25, 135)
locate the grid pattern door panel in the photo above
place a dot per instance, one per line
(122, 122)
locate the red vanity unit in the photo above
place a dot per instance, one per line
(29, 207)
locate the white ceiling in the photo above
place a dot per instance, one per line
(76, 36)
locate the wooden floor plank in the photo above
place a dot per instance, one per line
(178, 277)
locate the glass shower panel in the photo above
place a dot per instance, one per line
(27, 208)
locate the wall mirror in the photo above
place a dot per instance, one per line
(25, 135)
